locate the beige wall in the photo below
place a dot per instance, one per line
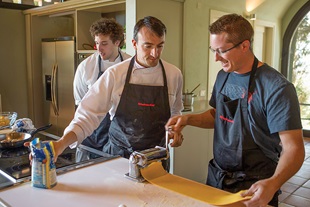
(196, 38)
(170, 12)
(13, 81)
(290, 14)
(196, 35)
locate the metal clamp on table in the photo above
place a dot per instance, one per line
(142, 159)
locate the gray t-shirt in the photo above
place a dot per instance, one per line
(273, 106)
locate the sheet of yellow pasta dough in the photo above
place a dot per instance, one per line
(155, 174)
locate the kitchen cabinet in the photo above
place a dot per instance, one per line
(18, 6)
(25, 4)
(85, 17)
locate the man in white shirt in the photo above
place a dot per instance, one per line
(140, 94)
(109, 38)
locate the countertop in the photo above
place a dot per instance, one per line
(198, 106)
(102, 184)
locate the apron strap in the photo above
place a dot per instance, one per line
(253, 72)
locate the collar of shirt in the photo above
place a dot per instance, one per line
(117, 60)
(106, 63)
(139, 67)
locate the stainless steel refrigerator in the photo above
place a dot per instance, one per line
(58, 65)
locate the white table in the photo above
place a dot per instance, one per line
(102, 184)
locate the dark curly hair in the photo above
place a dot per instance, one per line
(237, 28)
(108, 26)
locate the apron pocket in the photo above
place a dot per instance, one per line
(230, 108)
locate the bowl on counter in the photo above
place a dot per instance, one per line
(7, 119)
(188, 99)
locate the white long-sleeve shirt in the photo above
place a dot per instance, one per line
(104, 96)
(87, 73)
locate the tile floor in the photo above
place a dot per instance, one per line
(296, 191)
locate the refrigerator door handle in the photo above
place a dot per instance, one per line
(53, 90)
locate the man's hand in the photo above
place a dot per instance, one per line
(262, 192)
(177, 139)
(176, 123)
(56, 148)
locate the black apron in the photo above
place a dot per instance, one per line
(238, 162)
(100, 135)
(140, 118)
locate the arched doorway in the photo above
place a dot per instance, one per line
(295, 60)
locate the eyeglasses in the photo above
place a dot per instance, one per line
(219, 52)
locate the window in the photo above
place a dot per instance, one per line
(295, 60)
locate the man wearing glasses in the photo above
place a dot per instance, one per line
(258, 141)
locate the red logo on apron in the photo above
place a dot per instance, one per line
(145, 104)
(225, 119)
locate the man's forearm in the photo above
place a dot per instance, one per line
(203, 120)
(64, 142)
